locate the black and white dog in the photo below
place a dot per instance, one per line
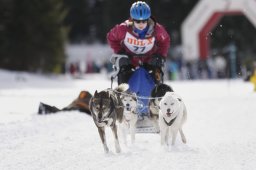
(156, 95)
(130, 116)
(106, 108)
(172, 116)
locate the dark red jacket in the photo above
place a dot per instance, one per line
(123, 40)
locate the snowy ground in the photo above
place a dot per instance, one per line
(220, 129)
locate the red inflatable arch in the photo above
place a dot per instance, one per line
(203, 18)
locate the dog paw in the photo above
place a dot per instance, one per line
(164, 148)
(106, 150)
(118, 150)
(184, 141)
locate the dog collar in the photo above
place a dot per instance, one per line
(171, 122)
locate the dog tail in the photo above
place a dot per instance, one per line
(122, 87)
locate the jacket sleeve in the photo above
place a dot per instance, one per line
(163, 40)
(115, 38)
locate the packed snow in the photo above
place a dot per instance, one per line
(220, 129)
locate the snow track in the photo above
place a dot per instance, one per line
(220, 132)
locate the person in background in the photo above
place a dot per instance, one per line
(143, 41)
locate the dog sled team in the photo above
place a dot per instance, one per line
(140, 46)
(116, 108)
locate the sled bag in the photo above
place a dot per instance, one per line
(142, 84)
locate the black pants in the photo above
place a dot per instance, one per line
(126, 72)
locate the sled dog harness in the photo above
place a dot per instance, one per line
(170, 123)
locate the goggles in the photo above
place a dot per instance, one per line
(140, 21)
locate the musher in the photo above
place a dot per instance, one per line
(140, 41)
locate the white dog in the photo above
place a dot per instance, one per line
(130, 117)
(172, 115)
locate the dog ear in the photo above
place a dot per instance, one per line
(160, 102)
(178, 97)
(108, 94)
(90, 105)
(134, 96)
(95, 93)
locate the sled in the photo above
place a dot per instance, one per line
(142, 84)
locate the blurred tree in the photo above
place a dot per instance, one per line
(106, 14)
(171, 14)
(6, 11)
(240, 31)
(34, 35)
(33, 32)
(236, 29)
(78, 20)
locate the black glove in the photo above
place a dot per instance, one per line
(124, 61)
(119, 61)
(157, 60)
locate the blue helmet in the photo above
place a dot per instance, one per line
(140, 11)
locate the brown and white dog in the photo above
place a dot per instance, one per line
(130, 116)
(156, 95)
(106, 108)
(172, 116)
